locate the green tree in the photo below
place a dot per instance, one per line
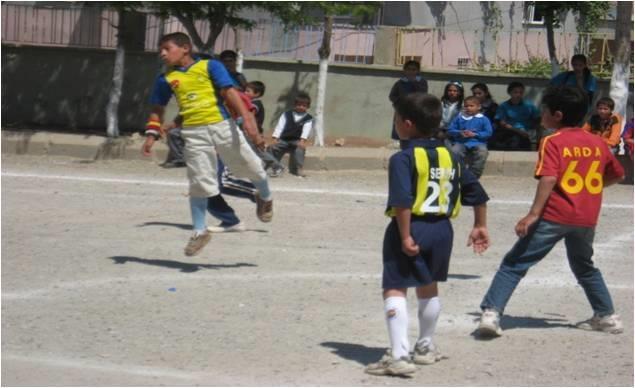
(589, 11)
(222, 13)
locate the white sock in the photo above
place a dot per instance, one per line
(397, 321)
(429, 310)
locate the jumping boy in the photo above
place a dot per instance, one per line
(468, 133)
(291, 133)
(426, 184)
(207, 130)
(573, 168)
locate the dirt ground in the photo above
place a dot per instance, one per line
(96, 290)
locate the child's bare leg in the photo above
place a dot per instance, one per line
(397, 321)
(428, 314)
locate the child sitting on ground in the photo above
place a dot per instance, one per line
(468, 134)
(427, 186)
(291, 134)
(605, 123)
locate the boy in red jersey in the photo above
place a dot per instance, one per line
(573, 168)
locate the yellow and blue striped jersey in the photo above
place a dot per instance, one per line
(428, 179)
(196, 91)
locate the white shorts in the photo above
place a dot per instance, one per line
(203, 144)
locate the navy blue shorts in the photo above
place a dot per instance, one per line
(434, 238)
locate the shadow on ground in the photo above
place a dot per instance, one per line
(355, 352)
(189, 227)
(463, 277)
(172, 224)
(183, 267)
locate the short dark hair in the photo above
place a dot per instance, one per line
(571, 101)
(579, 57)
(514, 85)
(178, 38)
(231, 54)
(303, 96)
(257, 86)
(482, 87)
(608, 101)
(424, 110)
(473, 99)
(410, 63)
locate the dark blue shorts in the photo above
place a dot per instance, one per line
(434, 238)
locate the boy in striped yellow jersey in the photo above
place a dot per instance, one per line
(427, 185)
(200, 87)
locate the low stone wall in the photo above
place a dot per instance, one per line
(68, 88)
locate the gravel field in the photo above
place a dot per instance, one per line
(96, 290)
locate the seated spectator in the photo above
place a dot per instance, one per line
(411, 82)
(488, 105)
(452, 102)
(628, 138)
(291, 134)
(580, 77)
(605, 123)
(468, 134)
(516, 121)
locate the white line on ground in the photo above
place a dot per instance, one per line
(102, 366)
(62, 287)
(280, 189)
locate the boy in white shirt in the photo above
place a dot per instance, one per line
(291, 134)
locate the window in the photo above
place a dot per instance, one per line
(533, 16)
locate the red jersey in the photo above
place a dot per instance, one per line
(580, 161)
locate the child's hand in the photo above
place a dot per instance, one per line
(259, 142)
(146, 149)
(468, 133)
(409, 247)
(478, 239)
(302, 144)
(522, 227)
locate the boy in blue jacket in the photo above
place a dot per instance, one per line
(468, 133)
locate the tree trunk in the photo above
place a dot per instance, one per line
(551, 45)
(324, 53)
(621, 63)
(237, 46)
(112, 110)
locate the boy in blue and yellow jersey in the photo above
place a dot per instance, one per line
(427, 186)
(573, 168)
(200, 87)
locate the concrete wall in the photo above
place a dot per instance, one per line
(68, 88)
